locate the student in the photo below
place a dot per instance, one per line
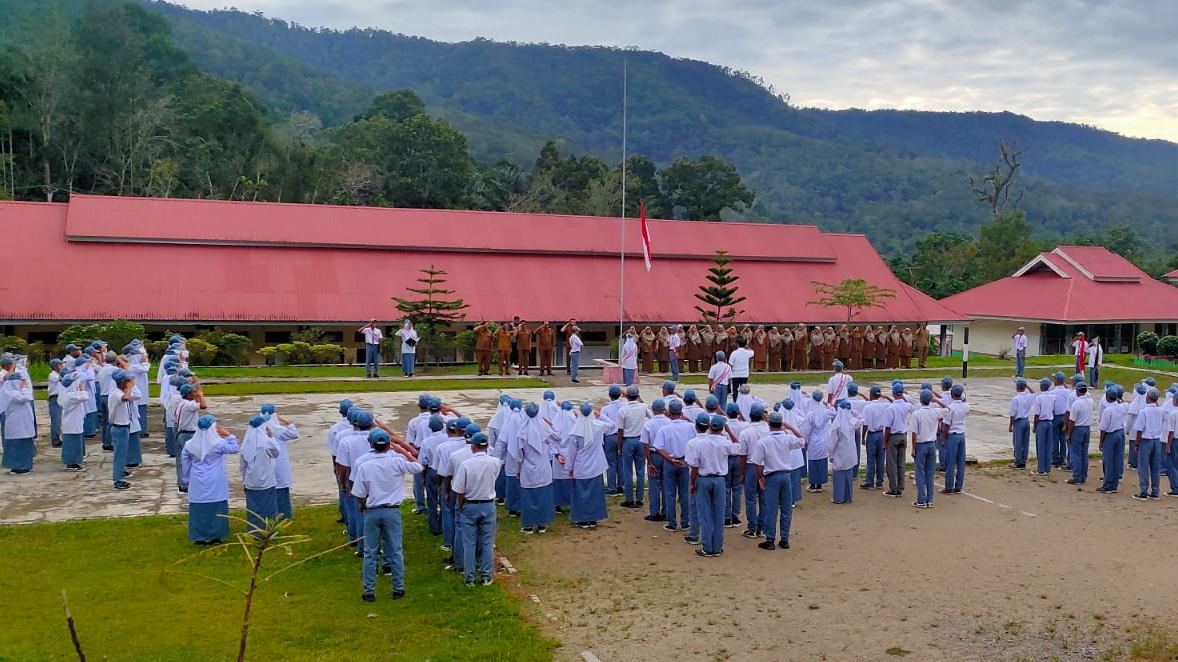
(283, 432)
(946, 397)
(562, 484)
(379, 487)
(372, 340)
(435, 436)
(654, 461)
(817, 429)
(1079, 422)
(258, 452)
(474, 483)
(1131, 411)
(575, 345)
(628, 360)
(73, 399)
(926, 423)
(587, 465)
(735, 477)
(754, 500)
(671, 444)
(718, 377)
(1059, 451)
(1020, 425)
(631, 419)
(1148, 427)
(771, 456)
(702, 420)
(531, 451)
(896, 433)
(1043, 420)
(611, 445)
(953, 434)
(1112, 440)
(119, 403)
(409, 339)
(20, 425)
(342, 426)
(203, 471)
(875, 419)
(793, 421)
(55, 403)
(1170, 452)
(708, 459)
(512, 423)
(455, 431)
(351, 447)
(413, 434)
(842, 451)
(139, 366)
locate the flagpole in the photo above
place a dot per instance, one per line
(622, 259)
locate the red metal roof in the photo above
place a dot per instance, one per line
(122, 258)
(1072, 284)
(179, 221)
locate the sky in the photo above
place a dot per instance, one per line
(1111, 64)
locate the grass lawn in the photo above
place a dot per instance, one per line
(274, 372)
(329, 386)
(123, 611)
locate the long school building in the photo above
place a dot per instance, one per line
(265, 270)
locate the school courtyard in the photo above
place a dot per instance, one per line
(1016, 568)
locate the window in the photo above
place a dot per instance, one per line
(276, 337)
(47, 337)
(335, 337)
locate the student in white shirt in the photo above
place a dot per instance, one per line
(1112, 439)
(1079, 424)
(719, 376)
(372, 339)
(954, 441)
(1020, 424)
(258, 452)
(673, 344)
(379, 485)
(575, 345)
(55, 403)
(741, 356)
(1148, 428)
(409, 340)
(926, 423)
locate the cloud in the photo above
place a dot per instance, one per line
(1105, 64)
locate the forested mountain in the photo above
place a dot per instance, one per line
(493, 108)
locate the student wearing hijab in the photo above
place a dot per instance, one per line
(73, 422)
(20, 426)
(562, 484)
(495, 450)
(587, 465)
(258, 452)
(532, 452)
(817, 429)
(629, 359)
(379, 487)
(843, 451)
(409, 340)
(508, 436)
(282, 432)
(203, 467)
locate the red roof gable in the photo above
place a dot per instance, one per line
(144, 259)
(1072, 284)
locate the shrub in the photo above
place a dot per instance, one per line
(327, 353)
(116, 333)
(232, 348)
(200, 352)
(1147, 342)
(1168, 346)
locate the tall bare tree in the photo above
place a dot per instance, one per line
(996, 184)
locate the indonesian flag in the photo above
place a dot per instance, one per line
(645, 234)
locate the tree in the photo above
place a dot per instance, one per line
(1147, 342)
(995, 186)
(942, 264)
(854, 294)
(719, 293)
(116, 333)
(1004, 245)
(703, 188)
(432, 312)
(398, 105)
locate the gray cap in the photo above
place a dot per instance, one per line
(632, 391)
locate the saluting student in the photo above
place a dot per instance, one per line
(258, 452)
(1112, 440)
(753, 497)
(671, 444)
(896, 436)
(654, 461)
(20, 426)
(772, 460)
(474, 483)
(954, 440)
(1079, 422)
(1020, 425)
(379, 486)
(283, 432)
(817, 429)
(926, 423)
(587, 465)
(435, 436)
(1148, 427)
(708, 459)
(842, 451)
(875, 419)
(203, 466)
(73, 422)
(531, 450)
(1043, 419)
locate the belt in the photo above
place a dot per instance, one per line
(711, 475)
(926, 442)
(385, 505)
(677, 458)
(186, 432)
(874, 431)
(479, 500)
(116, 425)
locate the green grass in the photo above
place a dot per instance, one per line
(305, 371)
(123, 611)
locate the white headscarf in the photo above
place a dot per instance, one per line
(586, 429)
(534, 433)
(500, 417)
(549, 409)
(250, 452)
(204, 441)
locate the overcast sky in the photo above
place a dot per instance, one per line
(1112, 64)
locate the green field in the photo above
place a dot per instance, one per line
(313, 613)
(357, 386)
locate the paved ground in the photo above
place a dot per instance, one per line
(50, 494)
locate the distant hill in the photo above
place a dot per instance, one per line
(893, 175)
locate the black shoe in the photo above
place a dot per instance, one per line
(655, 518)
(1072, 481)
(638, 504)
(144, 435)
(946, 491)
(448, 560)
(182, 489)
(513, 513)
(749, 533)
(359, 554)
(397, 595)
(541, 529)
(894, 495)
(368, 597)
(576, 382)
(701, 552)
(627, 504)
(768, 544)
(670, 527)
(108, 449)
(690, 540)
(122, 485)
(727, 522)
(957, 490)
(57, 445)
(386, 570)
(865, 486)
(784, 544)
(736, 521)
(500, 501)
(340, 521)
(132, 466)
(1153, 496)
(559, 509)
(215, 541)
(1141, 497)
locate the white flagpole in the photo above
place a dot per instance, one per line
(622, 275)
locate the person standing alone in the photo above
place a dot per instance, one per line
(372, 339)
(409, 340)
(1020, 351)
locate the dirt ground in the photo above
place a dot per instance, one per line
(1016, 568)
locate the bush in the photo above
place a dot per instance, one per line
(200, 352)
(116, 333)
(329, 353)
(1168, 346)
(232, 348)
(1147, 342)
(14, 344)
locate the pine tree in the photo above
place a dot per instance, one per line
(432, 313)
(719, 292)
(853, 293)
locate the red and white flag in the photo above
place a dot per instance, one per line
(645, 234)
